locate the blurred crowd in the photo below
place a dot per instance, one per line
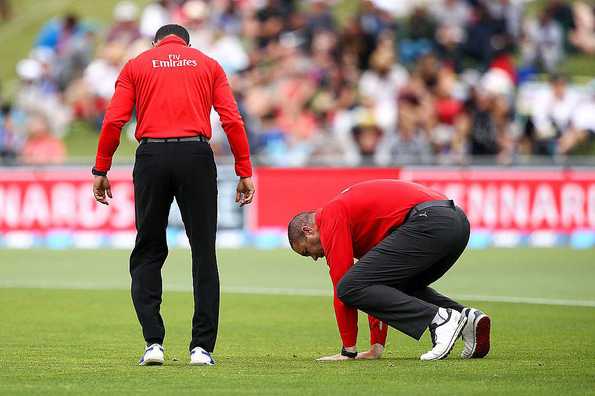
(375, 82)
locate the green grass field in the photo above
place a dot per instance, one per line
(68, 327)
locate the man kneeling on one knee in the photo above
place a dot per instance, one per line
(405, 237)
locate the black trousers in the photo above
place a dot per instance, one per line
(390, 282)
(186, 171)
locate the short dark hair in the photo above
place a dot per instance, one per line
(294, 228)
(174, 29)
(70, 21)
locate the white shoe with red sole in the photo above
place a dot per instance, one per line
(476, 334)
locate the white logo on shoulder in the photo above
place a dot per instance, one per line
(173, 60)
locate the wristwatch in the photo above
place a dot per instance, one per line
(348, 354)
(98, 172)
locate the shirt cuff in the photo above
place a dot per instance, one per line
(379, 338)
(244, 168)
(103, 164)
(349, 339)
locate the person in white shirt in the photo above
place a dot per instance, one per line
(451, 12)
(582, 123)
(382, 84)
(153, 17)
(543, 44)
(551, 114)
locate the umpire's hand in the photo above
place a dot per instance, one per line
(244, 192)
(101, 188)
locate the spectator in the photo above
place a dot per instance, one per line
(88, 97)
(371, 19)
(11, 125)
(37, 94)
(101, 75)
(543, 44)
(385, 76)
(583, 36)
(486, 125)
(427, 70)
(344, 121)
(224, 44)
(125, 29)
(383, 82)
(551, 115)
(309, 87)
(326, 149)
(227, 17)
(581, 130)
(196, 14)
(72, 46)
(410, 144)
(367, 135)
(41, 147)
(503, 59)
(561, 12)
(418, 36)
(510, 12)
(272, 141)
(482, 33)
(153, 17)
(272, 19)
(410, 148)
(319, 19)
(56, 34)
(447, 110)
(452, 14)
(452, 17)
(356, 43)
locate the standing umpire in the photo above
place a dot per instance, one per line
(173, 88)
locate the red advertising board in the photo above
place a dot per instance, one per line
(519, 200)
(62, 199)
(494, 199)
(283, 192)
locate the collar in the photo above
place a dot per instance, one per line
(171, 39)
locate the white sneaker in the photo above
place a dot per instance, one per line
(444, 335)
(476, 334)
(200, 357)
(153, 356)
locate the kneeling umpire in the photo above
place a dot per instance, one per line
(406, 236)
(173, 88)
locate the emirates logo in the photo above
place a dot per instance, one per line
(174, 60)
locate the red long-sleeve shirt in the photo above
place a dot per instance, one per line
(173, 88)
(353, 223)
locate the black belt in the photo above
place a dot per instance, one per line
(175, 139)
(430, 204)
